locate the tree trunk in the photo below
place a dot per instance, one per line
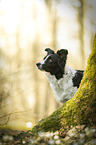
(81, 109)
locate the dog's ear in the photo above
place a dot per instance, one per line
(62, 53)
(63, 57)
(49, 51)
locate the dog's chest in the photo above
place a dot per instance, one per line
(63, 88)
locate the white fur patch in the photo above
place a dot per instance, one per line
(63, 88)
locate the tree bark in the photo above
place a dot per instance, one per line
(81, 109)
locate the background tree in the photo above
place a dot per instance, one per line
(80, 18)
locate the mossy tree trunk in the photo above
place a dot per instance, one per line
(81, 109)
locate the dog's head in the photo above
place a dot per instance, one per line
(54, 62)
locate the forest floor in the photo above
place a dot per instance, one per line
(79, 135)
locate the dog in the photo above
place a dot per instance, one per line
(63, 79)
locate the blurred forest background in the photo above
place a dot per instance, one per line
(27, 27)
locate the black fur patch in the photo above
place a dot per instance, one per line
(77, 78)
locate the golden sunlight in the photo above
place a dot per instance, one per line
(11, 15)
(29, 124)
(31, 100)
(27, 27)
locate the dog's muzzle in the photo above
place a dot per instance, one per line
(40, 65)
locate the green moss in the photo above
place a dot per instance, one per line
(81, 109)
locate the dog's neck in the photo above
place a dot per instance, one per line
(68, 72)
(63, 88)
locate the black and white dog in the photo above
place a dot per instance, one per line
(63, 79)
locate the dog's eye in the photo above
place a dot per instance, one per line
(50, 60)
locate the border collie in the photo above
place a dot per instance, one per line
(63, 79)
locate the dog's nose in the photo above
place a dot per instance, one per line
(38, 64)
